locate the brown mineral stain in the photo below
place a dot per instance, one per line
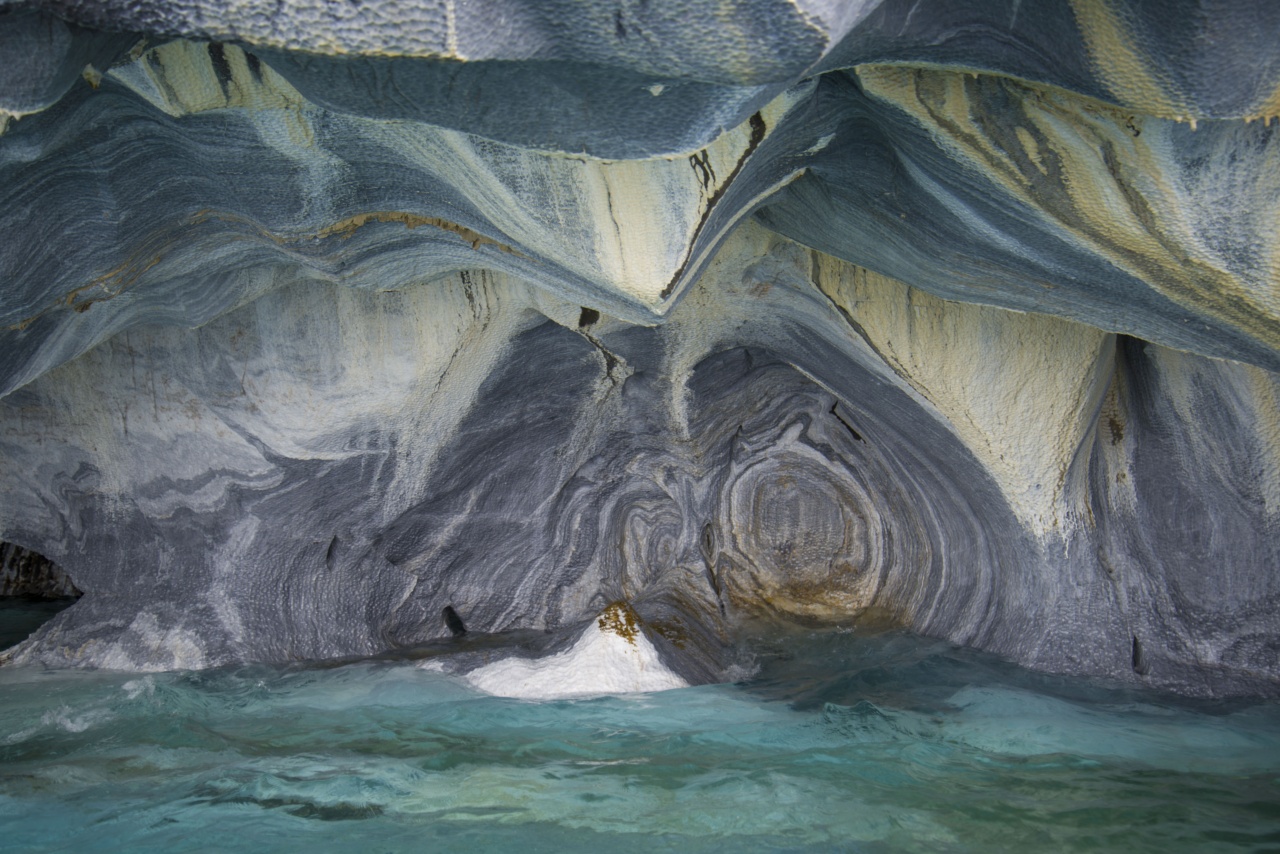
(620, 619)
(673, 631)
(347, 227)
(1117, 429)
(1091, 169)
(126, 274)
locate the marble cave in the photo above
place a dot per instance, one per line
(335, 329)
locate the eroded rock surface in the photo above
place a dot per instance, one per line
(960, 317)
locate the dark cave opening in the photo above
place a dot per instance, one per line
(33, 589)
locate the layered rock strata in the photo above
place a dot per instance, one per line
(958, 317)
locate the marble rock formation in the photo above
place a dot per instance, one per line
(624, 329)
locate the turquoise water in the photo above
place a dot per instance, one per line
(19, 617)
(840, 742)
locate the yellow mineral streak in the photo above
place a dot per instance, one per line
(156, 247)
(1268, 107)
(451, 28)
(92, 76)
(1020, 390)
(627, 225)
(1121, 64)
(653, 210)
(1107, 179)
(179, 78)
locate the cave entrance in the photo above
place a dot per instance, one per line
(32, 590)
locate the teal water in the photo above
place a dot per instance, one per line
(840, 742)
(19, 617)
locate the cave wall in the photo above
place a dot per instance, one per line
(958, 317)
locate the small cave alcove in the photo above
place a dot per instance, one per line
(33, 589)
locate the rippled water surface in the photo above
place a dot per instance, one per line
(840, 742)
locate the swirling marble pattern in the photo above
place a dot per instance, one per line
(314, 324)
(701, 482)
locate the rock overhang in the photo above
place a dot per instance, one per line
(307, 358)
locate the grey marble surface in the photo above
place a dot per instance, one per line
(954, 316)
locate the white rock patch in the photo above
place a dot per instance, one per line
(600, 662)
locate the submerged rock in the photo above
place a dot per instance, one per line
(317, 325)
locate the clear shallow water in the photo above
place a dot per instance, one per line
(888, 743)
